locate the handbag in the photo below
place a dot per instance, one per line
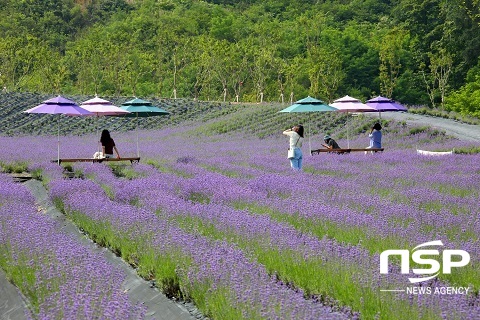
(291, 151)
(98, 155)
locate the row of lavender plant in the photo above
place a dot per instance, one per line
(399, 198)
(147, 189)
(384, 203)
(218, 276)
(230, 157)
(276, 245)
(402, 205)
(61, 277)
(181, 141)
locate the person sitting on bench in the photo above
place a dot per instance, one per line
(108, 145)
(375, 136)
(330, 143)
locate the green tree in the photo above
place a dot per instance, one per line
(88, 58)
(204, 61)
(137, 66)
(325, 71)
(222, 54)
(239, 68)
(262, 65)
(51, 72)
(466, 100)
(436, 81)
(18, 58)
(390, 53)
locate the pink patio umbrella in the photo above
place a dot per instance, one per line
(100, 107)
(59, 105)
(349, 104)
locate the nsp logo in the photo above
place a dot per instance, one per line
(421, 257)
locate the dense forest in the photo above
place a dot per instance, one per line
(419, 52)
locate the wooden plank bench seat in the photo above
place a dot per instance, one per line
(318, 151)
(93, 160)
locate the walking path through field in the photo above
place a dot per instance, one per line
(461, 131)
(13, 305)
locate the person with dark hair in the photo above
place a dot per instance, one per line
(375, 136)
(108, 145)
(330, 143)
(295, 154)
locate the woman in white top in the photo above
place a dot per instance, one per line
(296, 139)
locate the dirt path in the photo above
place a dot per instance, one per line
(13, 306)
(461, 131)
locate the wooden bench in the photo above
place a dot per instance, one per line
(93, 160)
(340, 151)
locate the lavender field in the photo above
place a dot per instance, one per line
(222, 220)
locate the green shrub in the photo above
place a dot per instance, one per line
(467, 150)
(15, 167)
(418, 130)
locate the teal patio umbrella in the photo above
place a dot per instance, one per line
(309, 105)
(142, 108)
(139, 108)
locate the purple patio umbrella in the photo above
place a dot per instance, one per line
(382, 104)
(59, 105)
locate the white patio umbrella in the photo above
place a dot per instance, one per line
(349, 104)
(100, 107)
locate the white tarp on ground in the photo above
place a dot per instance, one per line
(434, 153)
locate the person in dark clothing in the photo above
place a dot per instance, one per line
(330, 143)
(108, 145)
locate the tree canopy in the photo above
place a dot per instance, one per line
(418, 52)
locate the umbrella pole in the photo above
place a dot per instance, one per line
(58, 141)
(309, 136)
(348, 136)
(136, 129)
(98, 142)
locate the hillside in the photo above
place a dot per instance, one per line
(200, 118)
(260, 120)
